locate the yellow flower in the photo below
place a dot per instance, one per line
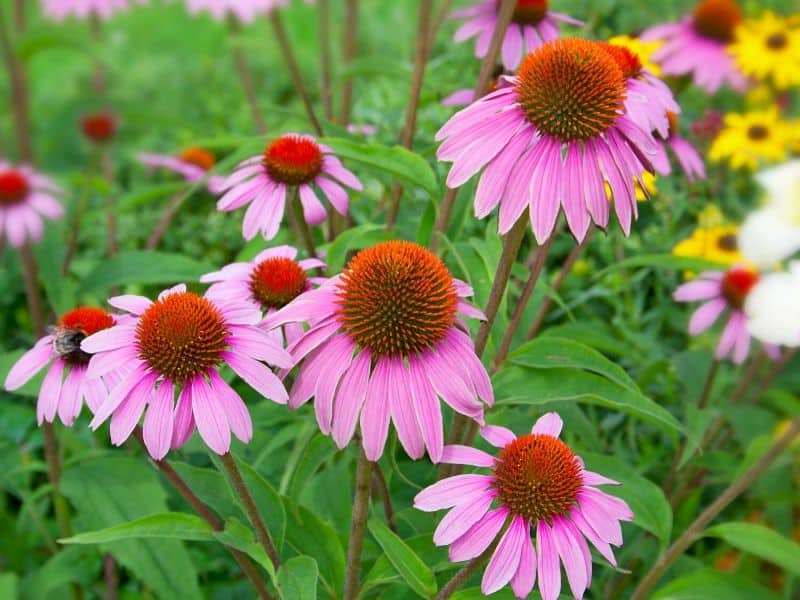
(759, 96)
(649, 181)
(717, 244)
(751, 138)
(643, 50)
(769, 49)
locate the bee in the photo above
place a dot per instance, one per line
(67, 342)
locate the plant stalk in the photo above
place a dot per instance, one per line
(298, 224)
(246, 78)
(349, 52)
(463, 575)
(386, 498)
(172, 208)
(358, 525)
(326, 68)
(695, 530)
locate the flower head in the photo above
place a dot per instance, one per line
(192, 163)
(176, 345)
(551, 139)
(385, 342)
(717, 243)
(532, 24)
(99, 127)
(768, 48)
(537, 483)
(773, 308)
(698, 45)
(61, 349)
(25, 197)
(720, 292)
(59, 10)
(244, 11)
(273, 279)
(290, 162)
(752, 138)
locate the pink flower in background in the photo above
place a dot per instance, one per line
(290, 162)
(25, 197)
(243, 10)
(176, 345)
(720, 291)
(532, 25)
(689, 158)
(58, 10)
(269, 282)
(697, 45)
(193, 164)
(385, 343)
(551, 140)
(536, 482)
(61, 349)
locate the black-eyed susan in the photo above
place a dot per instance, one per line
(643, 50)
(717, 243)
(768, 49)
(748, 139)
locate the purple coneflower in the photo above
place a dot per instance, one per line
(193, 164)
(532, 25)
(243, 11)
(25, 197)
(290, 162)
(697, 45)
(176, 345)
(536, 482)
(385, 343)
(58, 10)
(552, 139)
(688, 157)
(61, 349)
(269, 282)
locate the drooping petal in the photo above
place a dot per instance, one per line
(452, 491)
(158, 421)
(506, 557)
(475, 541)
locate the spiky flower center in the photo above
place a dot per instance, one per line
(396, 299)
(181, 335)
(736, 285)
(73, 327)
(777, 41)
(571, 89)
(293, 159)
(528, 12)
(757, 132)
(717, 19)
(199, 157)
(274, 282)
(99, 127)
(14, 187)
(537, 477)
(627, 60)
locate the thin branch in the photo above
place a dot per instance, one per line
(325, 57)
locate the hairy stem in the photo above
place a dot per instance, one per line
(298, 224)
(246, 79)
(386, 498)
(463, 575)
(349, 52)
(421, 53)
(695, 530)
(294, 69)
(249, 504)
(172, 208)
(18, 82)
(111, 577)
(326, 69)
(30, 274)
(358, 526)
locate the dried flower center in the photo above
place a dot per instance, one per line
(728, 242)
(757, 132)
(717, 19)
(73, 327)
(397, 298)
(293, 159)
(736, 285)
(777, 41)
(537, 477)
(277, 281)
(99, 127)
(627, 60)
(199, 157)
(14, 187)
(528, 12)
(571, 89)
(181, 335)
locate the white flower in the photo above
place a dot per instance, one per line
(768, 237)
(773, 308)
(782, 184)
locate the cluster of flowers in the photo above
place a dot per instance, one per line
(578, 128)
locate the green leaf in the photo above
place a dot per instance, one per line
(110, 491)
(38, 41)
(178, 526)
(297, 579)
(410, 567)
(308, 534)
(146, 195)
(8, 586)
(709, 583)
(762, 541)
(553, 352)
(67, 565)
(517, 385)
(669, 261)
(394, 160)
(237, 536)
(211, 487)
(145, 268)
(356, 238)
(651, 510)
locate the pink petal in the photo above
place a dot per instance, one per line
(375, 413)
(466, 455)
(350, 399)
(571, 556)
(113, 338)
(127, 415)
(506, 557)
(236, 412)
(257, 376)
(50, 392)
(401, 407)
(158, 421)
(183, 426)
(525, 577)
(338, 356)
(209, 416)
(497, 436)
(548, 424)
(427, 409)
(69, 403)
(452, 491)
(475, 541)
(704, 317)
(30, 363)
(548, 566)
(135, 305)
(462, 517)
